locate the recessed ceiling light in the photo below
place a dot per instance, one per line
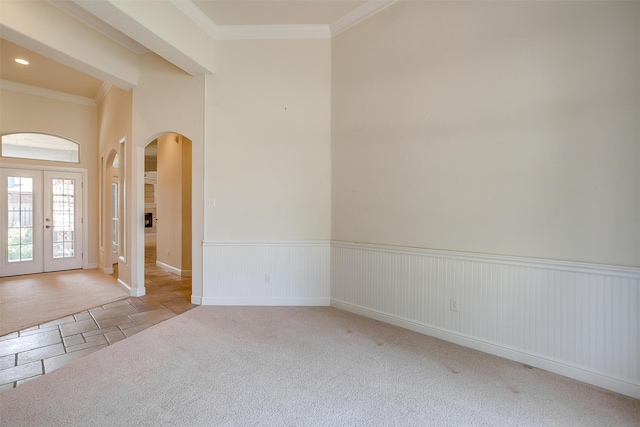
(22, 61)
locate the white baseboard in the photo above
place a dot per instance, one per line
(132, 292)
(140, 292)
(196, 299)
(92, 265)
(124, 285)
(105, 270)
(618, 385)
(309, 302)
(174, 270)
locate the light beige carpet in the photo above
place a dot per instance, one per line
(34, 299)
(302, 366)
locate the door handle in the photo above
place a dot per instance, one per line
(47, 226)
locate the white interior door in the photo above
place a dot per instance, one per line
(41, 221)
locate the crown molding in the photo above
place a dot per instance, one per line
(47, 93)
(279, 32)
(102, 92)
(194, 13)
(358, 15)
(233, 32)
(250, 32)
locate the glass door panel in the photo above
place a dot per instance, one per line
(63, 223)
(21, 217)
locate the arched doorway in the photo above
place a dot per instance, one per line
(167, 220)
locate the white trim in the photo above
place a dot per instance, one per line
(280, 32)
(174, 270)
(310, 302)
(43, 168)
(267, 243)
(85, 218)
(139, 292)
(47, 93)
(102, 92)
(105, 270)
(92, 265)
(603, 380)
(194, 13)
(570, 266)
(196, 299)
(358, 15)
(250, 32)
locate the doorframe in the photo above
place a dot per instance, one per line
(85, 201)
(135, 215)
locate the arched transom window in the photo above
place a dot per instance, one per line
(39, 146)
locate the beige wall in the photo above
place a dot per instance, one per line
(22, 112)
(114, 124)
(492, 127)
(169, 201)
(268, 141)
(186, 204)
(167, 100)
(173, 226)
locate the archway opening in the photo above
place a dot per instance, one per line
(168, 220)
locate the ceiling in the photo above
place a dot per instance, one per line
(43, 72)
(268, 12)
(210, 15)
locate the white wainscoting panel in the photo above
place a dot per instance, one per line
(578, 320)
(271, 273)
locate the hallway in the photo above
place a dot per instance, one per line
(33, 352)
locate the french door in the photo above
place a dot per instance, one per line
(41, 221)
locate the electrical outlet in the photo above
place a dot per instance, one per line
(453, 304)
(267, 278)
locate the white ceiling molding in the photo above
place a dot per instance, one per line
(102, 92)
(358, 15)
(46, 93)
(227, 32)
(250, 32)
(72, 9)
(194, 13)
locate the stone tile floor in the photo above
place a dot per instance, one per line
(36, 351)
